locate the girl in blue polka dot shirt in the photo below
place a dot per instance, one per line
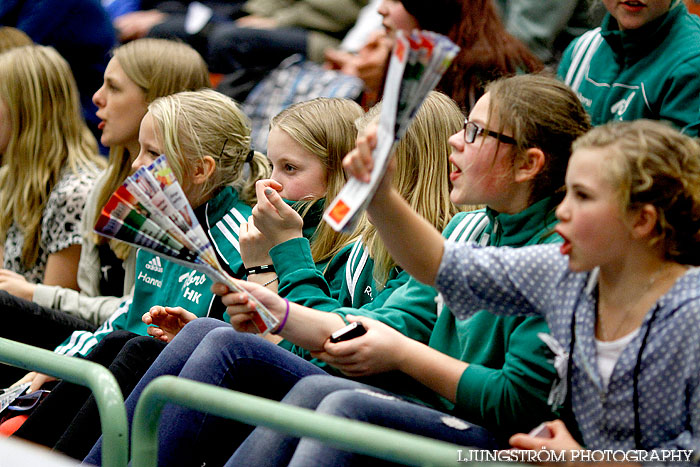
(621, 295)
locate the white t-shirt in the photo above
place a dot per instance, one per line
(607, 354)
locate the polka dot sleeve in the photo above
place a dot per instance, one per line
(504, 280)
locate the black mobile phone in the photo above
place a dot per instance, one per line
(350, 331)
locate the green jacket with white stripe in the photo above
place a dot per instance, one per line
(652, 72)
(506, 384)
(162, 282)
(345, 280)
(411, 307)
(404, 303)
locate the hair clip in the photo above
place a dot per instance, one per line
(222, 148)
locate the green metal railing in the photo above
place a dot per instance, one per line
(109, 398)
(347, 434)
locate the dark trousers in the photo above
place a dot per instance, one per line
(233, 48)
(29, 323)
(68, 419)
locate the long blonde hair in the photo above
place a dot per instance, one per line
(47, 134)
(324, 127)
(192, 125)
(159, 67)
(422, 172)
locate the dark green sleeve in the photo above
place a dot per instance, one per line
(406, 305)
(681, 101)
(514, 396)
(410, 306)
(365, 310)
(302, 281)
(410, 309)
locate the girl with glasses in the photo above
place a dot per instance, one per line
(472, 130)
(485, 378)
(620, 294)
(492, 371)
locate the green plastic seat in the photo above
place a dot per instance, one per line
(110, 401)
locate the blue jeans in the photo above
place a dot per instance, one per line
(211, 351)
(357, 401)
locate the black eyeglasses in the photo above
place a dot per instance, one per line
(472, 130)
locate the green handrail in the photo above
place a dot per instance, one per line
(347, 434)
(115, 452)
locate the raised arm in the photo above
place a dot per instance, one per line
(413, 243)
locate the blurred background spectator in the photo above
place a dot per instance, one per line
(548, 26)
(80, 30)
(189, 21)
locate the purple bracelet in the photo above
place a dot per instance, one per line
(284, 320)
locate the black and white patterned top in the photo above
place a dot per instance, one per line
(537, 281)
(60, 224)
